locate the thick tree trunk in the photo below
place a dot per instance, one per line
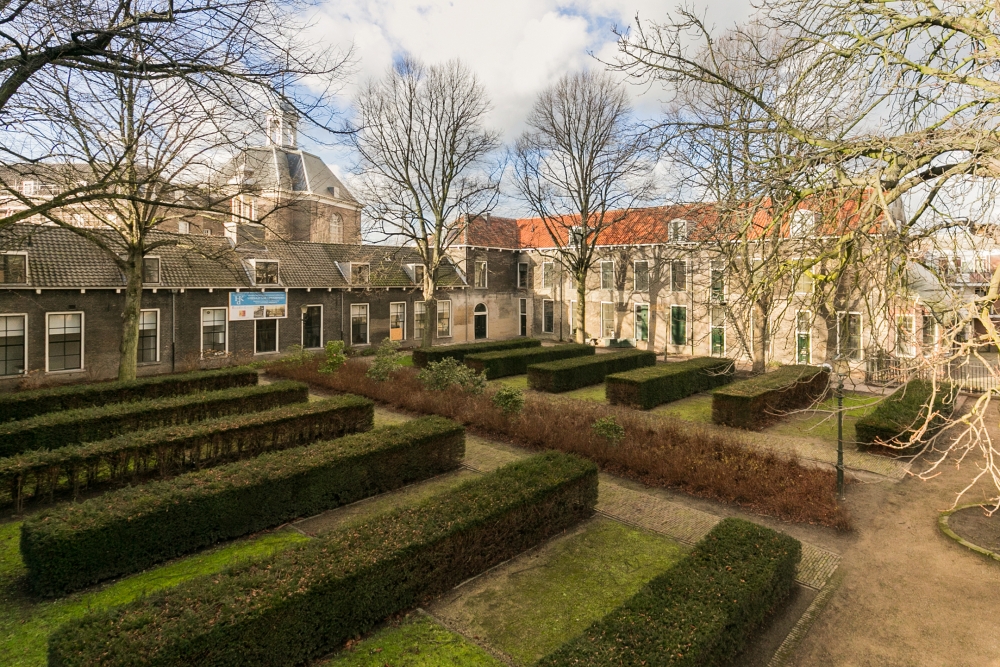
(430, 313)
(581, 309)
(129, 351)
(760, 337)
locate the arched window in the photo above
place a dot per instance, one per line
(336, 228)
(479, 317)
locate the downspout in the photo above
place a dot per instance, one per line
(173, 330)
(342, 316)
(691, 282)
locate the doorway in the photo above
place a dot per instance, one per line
(479, 315)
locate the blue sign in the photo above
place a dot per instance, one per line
(258, 305)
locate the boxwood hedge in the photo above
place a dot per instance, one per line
(701, 612)
(645, 388)
(306, 601)
(760, 401)
(516, 362)
(422, 355)
(78, 544)
(58, 429)
(567, 374)
(25, 404)
(894, 420)
(42, 474)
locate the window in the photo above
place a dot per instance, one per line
(806, 283)
(678, 325)
(548, 274)
(151, 270)
(397, 321)
(149, 336)
(265, 336)
(30, 188)
(576, 237)
(213, 332)
(523, 309)
(312, 327)
(929, 333)
(522, 274)
(183, 227)
(64, 342)
(480, 316)
(849, 335)
(418, 274)
(359, 324)
(678, 275)
(444, 319)
(419, 319)
(548, 316)
(480, 277)
(13, 269)
(718, 285)
(265, 272)
(641, 326)
(803, 337)
(244, 209)
(677, 231)
(718, 332)
(336, 228)
(360, 274)
(803, 224)
(607, 275)
(607, 319)
(906, 339)
(12, 344)
(641, 270)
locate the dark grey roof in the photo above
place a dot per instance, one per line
(289, 169)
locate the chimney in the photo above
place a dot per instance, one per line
(486, 216)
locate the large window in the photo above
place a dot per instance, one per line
(265, 272)
(906, 335)
(13, 269)
(244, 209)
(359, 324)
(480, 271)
(803, 224)
(607, 319)
(548, 316)
(849, 335)
(149, 336)
(678, 325)
(419, 319)
(718, 281)
(213, 332)
(522, 274)
(607, 275)
(641, 270)
(265, 336)
(336, 228)
(397, 321)
(803, 337)
(642, 321)
(151, 270)
(64, 342)
(678, 275)
(718, 331)
(312, 327)
(929, 332)
(806, 283)
(444, 319)
(548, 274)
(12, 344)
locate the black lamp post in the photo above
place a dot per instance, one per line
(842, 369)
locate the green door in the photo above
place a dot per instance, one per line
(678, 325)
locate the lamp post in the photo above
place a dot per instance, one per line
(841, 368)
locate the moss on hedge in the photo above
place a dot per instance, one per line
(573, 373)
(645, 388)
(516, 362)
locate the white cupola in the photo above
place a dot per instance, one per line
(281, 124)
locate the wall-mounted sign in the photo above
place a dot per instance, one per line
(258, 305)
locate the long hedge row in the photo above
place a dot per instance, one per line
(700, 613)
(58, 429)
(26, 404)
(43, 474)
(573, 373)
(423, 355)
(78, 544)
(760, 401)
(894, 421)
(307, 601)
(645, 388)
(516, 362)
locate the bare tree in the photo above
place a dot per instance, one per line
(424, 161)
(580, 167)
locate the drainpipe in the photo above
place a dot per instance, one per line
(342, 316)
(690, 267)
(173, 330)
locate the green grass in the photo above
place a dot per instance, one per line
(26, 622)
(594, 392)
(540, 600)
(697, 408)
(821, 421)
(405, 360)
(416, 642)
(515, 381)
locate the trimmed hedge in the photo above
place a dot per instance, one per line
(760, 401)
(516, 362)
(645, 388)
(26, 404)
(422, 355)
(79, 544)
(306, 601)
(896, 419)
(165, 451)
(58, 429)
(702, 612)
(567, 374)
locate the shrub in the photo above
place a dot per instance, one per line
(307, 601)
(26, 404)
(515, 362)
(609, 429)
(166, 451)
(67, 547)
(439, 375)
(760, 401)
(335, 356)
(387, 359)
(425, 355)
(297, 355)
(645, 388)
(895, 420)
(700, 613)
(567, 374)
(508, 400)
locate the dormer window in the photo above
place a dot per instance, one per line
(244, 208)
(576, 238)
(803, 224)
(13, 269)
(265, 272)
(418, 273)
(360, 274)
(151, 270)
(677, 231)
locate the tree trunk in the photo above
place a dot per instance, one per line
(760, 337)
(430, 313)
(129, 351)
(581, 309)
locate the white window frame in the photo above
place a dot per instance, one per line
(27, 265)
(635, 320)
(802, 275)
(397, 303)
(803, 224)
(437, 319)
(553, 330)
(368, 323)
(912, 351)
(416, 306)
(475, 315)
(243, 209)
(24, 317)
(225, 334)
(550, 274)
(713, 266)
(360, 264)
(687, 325)
(673, 284)
(265, 261)
(604, 329)
(159, 270)
(157, 311)
(183, 227)
(527, 272)
(302, 332)
(712, 326)
(672, 229)
(83, 334)
(861, 333)
(808, 332)
(635, 275)
(475, 274)
(277, 336)
(413, 271)
(336, 221)
(924, 319)
(612, 263)
(522, 312)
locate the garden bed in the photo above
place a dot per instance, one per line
(757, 403)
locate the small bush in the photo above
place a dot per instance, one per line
(387, 360)
(700, 613)
(508, 400)
(895, 420)
(335, 356)
(307, 601)
(609, 429)
(297, 356)
(568, 374)
(425, 355)
(26, 404)
(645, 388)
(439, 375)
(760, 401)
(515, 362)
(67, 547)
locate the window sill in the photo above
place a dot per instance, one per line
(149, 363)
(66, 371)
(259, 354)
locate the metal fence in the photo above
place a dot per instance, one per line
(969, 373)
